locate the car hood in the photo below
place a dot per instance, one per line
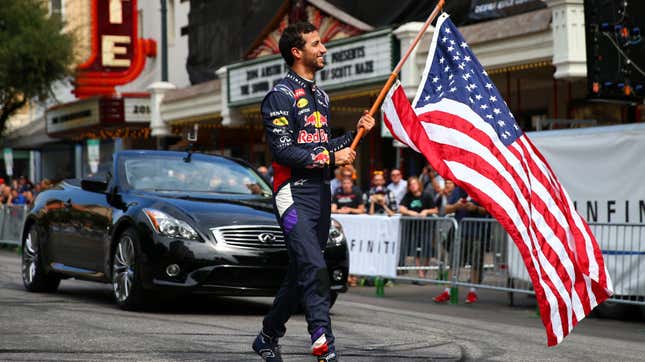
(212, 210)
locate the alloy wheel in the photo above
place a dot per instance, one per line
(123, 269)
(29, 259)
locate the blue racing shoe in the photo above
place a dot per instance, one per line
(267, 347)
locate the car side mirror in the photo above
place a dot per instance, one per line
(99, 186)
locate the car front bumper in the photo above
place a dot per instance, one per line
(221, 269)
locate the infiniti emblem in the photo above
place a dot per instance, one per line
(266, 238)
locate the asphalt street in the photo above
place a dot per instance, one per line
(81, 322)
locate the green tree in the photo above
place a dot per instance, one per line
(34, 53)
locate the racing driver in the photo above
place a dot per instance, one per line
(296, 114)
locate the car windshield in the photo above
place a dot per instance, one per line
(216, 175)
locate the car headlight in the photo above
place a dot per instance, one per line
(167, 225)
(336, 235)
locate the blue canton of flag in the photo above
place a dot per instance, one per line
(457, 74)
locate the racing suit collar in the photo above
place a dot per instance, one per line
(300, 80)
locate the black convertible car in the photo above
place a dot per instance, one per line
(165, 221)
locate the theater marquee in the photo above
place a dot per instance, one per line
(358, 60)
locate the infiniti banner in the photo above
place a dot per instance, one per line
(373, 243)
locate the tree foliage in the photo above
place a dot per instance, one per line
(34, 53)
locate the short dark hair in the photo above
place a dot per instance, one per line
(292, 38)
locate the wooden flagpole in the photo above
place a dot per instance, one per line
(396, 71)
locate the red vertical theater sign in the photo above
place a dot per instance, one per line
(118, 55)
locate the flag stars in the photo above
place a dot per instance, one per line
(504, 136)
(496, 111)
(467, 58)
(450, 76)
(489, 86)
(452, 42)
(463, 44)
(444, 39)
(517, 128)
(441, 60)
(489, 116)
(451, 48)
(473, 85)
(483, 106)
(427, 98)
(478, 97)
(462, 66)
(466, 76)
(493, 99)
(501, 123)
(447, 31)
(447, 68)
(435, 79)
(439, 88)
(453, 90)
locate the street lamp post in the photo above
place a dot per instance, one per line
(164, 41)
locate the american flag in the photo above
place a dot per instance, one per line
(461, 124)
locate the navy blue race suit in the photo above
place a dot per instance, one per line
(295, 114)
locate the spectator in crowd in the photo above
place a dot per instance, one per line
(334, 184)
(416, 203)
(6, 194)
(398, 185)
(348, 200)
(17, 198)
(472, 247)
(380, 199)
(431, 181)
(24, 184)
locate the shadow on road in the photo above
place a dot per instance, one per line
(98, 294)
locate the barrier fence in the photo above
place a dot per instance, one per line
(12, 217)
(474, 252)
(477, 252)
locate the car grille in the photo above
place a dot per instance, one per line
(253, 236)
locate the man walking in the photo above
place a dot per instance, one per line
(296, 114)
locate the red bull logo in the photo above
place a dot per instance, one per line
(321, 158)
(318, 136)
(316, 119)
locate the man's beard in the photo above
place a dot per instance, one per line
(315, 65)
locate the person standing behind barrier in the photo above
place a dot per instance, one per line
(462, 206)
(380, 199)
(347, 200)
(416, 203)
(398, 185)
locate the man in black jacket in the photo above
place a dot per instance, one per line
(296, 114)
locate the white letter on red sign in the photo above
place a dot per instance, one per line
(110, 50)
(116, 12)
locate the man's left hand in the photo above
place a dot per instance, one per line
(366, 122)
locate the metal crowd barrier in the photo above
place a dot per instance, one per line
(425, 248)
(623, 248)
(12, 218)
(477, 252)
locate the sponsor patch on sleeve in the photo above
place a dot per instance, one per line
(281, 121)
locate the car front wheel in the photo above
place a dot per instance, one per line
(34, 276)
(126, 283)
